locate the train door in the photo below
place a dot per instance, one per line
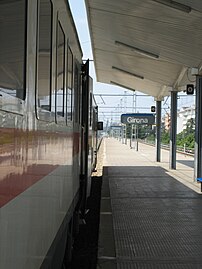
(84, 134)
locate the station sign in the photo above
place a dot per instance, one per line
(138, 118)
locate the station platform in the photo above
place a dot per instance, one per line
(150, 215)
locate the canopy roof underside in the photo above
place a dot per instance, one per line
(151, 46)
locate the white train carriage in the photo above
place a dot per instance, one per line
(43, 152)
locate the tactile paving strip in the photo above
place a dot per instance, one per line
(158, 265)
(157, 221)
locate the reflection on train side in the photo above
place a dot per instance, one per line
(27, 156)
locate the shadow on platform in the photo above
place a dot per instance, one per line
(189, 163)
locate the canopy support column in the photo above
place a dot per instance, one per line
(158, 131)
(173, 129)
(198, 128)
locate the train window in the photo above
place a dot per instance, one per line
(69, 84)
(60, 71)
(44, 54)
(12, 47)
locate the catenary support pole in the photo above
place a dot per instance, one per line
(126, 134)
(198, 128)
(173, 129)
(158, 131)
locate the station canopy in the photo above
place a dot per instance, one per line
(153, 46)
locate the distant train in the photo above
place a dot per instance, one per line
(48, 130)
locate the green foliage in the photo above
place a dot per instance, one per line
(151, 138)
(187, 140)
(165, 137)
(146, 132)
(143, 131)
(186, 137)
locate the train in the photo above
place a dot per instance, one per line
(48, 134)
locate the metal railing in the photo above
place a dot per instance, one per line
(180, 149)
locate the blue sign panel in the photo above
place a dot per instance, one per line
(138, 118)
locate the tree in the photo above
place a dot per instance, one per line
(187, 136)
(165, 137)
(190, 126)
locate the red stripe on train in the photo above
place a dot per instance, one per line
(15, 184)
(15, 143)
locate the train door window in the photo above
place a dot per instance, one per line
(90, 108)
(44, 54)
(76, 93)
(13, 47)
(90, 100)
(69, 84)
(60, 70)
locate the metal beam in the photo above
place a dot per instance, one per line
(180, 77)
(158, 131)
(173, 129)
(198, 128)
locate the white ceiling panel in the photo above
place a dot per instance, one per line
(122, 30)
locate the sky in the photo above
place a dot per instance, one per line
(111, 107)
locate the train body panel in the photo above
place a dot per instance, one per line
(39, 191)
(40, 133)
(31, 221)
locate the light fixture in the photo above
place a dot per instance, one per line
(138, 50)
(127, 72)
(175, 5)
(121, 85)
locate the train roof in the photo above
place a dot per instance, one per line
(151, 46)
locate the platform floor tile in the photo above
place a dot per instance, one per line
(157, 220)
